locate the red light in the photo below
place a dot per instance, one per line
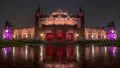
(49, 36)
(59, 52)
(68, 51)
(59, 36)
(81, 14)
(69, 36)
(38, 14)
(49, 51)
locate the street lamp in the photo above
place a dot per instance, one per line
(41, 35)
(92, 37)
(77, 35)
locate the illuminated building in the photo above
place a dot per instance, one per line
(63, 26)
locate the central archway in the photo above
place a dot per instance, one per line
(49, 35)
(59, 35)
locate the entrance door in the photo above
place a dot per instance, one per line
(49, 36)
(69, 36)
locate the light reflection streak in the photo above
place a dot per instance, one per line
(93, 51)
(5, 53)
(41, 52)
(77, 53)
(26, 52)
(105, 51)
(113, 51)
(13, 51)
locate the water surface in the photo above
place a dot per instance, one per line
(60, 56)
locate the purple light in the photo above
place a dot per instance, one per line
(112, 49)
(7, 50)
(7, 33)
(111, 35)
(112, 31)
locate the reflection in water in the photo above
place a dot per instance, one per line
(49, 51)
(106, 52)
(6, 51)
(26, 52)
(77, 53)
(41, 52)
(68, 52)
(59, 52)
(13, 49)
(93, 51)
(113, 51)
(59, 56)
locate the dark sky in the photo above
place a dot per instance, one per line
(98, 12)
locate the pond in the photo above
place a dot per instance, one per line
(60, 56)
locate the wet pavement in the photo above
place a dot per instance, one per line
(60, 56)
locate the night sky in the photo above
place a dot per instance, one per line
(97, 12)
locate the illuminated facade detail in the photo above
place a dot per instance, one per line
(7, 31)
(95, 33)
(23, 33)
(70, 35)
(63, 26)
(49, 36)
(59, 35)
(112, 35)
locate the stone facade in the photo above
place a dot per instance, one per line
(63, 26)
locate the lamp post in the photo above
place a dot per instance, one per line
(41, 35)
(77, 36)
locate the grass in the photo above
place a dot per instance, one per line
(17, 43)
(10, 43)
(100, 43)
(108, 43)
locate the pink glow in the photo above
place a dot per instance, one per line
(7, 33)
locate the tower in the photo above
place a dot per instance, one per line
(37, 16)
(112, 35)
(7, 31)
(81, 14)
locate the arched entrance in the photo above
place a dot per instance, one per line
(70, 35)
(49, 35)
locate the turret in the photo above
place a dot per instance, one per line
(37, 17)
(112, 34)
(38, 12)
(81, 14)
(7, 31)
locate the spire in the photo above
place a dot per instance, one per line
(38, 9)
(112, 24)
(80, 9)
(7, 24)
(81, 12)
(38, 12)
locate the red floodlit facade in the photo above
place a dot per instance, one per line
(61, 26)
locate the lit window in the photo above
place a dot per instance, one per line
(56, 18)
(112, 31)
(6, 31)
